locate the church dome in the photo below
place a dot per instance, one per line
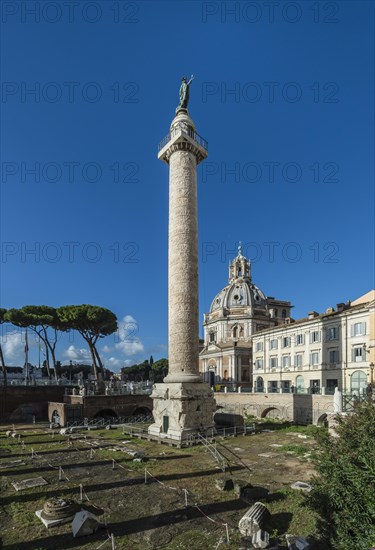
(241, 291)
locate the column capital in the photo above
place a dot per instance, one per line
(182, 137)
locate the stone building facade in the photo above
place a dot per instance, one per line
(319, 353)
(251, 341)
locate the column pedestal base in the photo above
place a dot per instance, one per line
(181, 409)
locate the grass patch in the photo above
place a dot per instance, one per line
(298, 450)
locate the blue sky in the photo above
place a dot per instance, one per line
(285, 100)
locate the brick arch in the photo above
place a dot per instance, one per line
(266, 411)
(322, 420)
(105, 413)
(142, 411)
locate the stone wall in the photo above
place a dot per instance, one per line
(299, 408)
(21, 403)
(76, 408)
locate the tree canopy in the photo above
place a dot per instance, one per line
(92, 322)
(40, 319)
(155, 372)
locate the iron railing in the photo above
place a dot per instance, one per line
(189, 131)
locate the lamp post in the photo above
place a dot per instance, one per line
(372, 373)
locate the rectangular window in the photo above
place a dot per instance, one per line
(357, 354)
(300, 339)
(286, 361)
(315, 358)
(286, 342)
(358, 329)
(314, 336)
(331, 384)
(332, 333)
(298, 360)
(259, 346)
(273, 362)
(272, 386)
(273, 344)
(258, 363)
(212, 337)
(334, 356)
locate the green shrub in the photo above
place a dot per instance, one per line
(344, 489)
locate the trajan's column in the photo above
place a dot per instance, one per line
(183, 404)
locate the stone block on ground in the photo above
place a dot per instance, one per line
(301, 486)
(239, 486)
(84, 523)
(29, 483)
(224, 484)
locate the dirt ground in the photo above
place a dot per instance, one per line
(154, 514)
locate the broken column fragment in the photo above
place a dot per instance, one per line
(254, 519)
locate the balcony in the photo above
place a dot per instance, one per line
(187, 130)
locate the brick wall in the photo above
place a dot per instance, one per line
(21, 403)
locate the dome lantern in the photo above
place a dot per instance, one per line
(240, 267)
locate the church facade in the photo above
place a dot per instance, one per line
(237, 312)
(251, 342)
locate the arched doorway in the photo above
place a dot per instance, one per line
(259, 384)
(107, 414)
(322, 420)
(300, 384)
(142, 412)
(358, 382)
(271, 412)
(55, 418)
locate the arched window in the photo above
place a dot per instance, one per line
(259, 384)
(300, 387)
(358, 382)
(283, 314)
(235, 331)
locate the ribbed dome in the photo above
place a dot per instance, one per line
(240, 292)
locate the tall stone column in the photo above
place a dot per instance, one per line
(183, 403)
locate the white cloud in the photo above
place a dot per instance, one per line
(76, 354)
(129, 341)
(13, 345)
(130, 348)
(113, 363)
(106, 349)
